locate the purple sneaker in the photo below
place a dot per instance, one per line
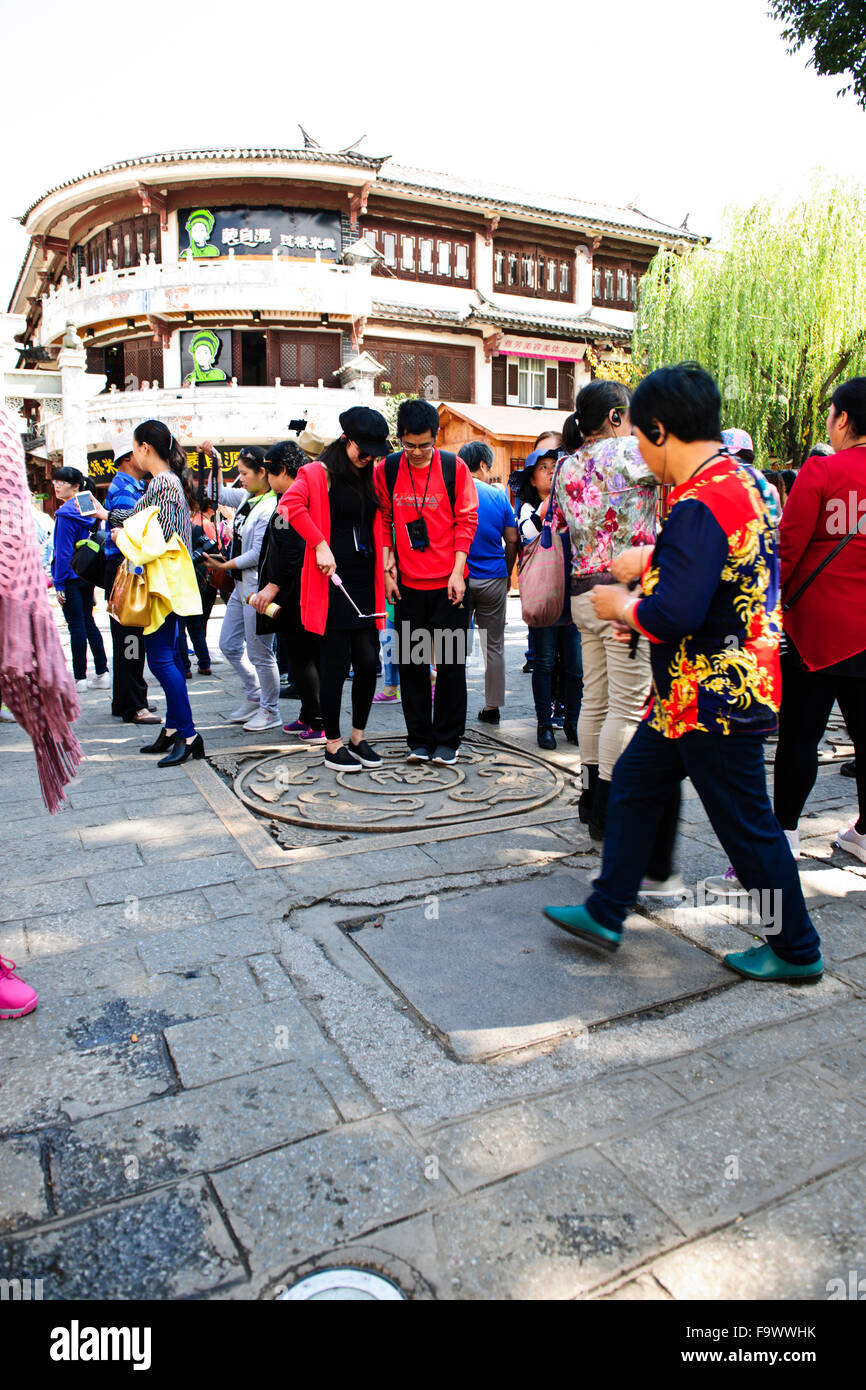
(297, 726)
(311, 735)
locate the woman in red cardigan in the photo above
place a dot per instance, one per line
(825, 659)
(333, 506)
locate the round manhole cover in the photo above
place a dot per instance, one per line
(356, 1284)
(488, 781)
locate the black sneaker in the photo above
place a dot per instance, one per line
(445, 755)
(418, 755)
(849, 769)
(527, 668)
(342, 760)
(365, 754)
(488, 716)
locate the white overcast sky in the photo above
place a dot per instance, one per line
(683, 105)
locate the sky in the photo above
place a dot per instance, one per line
(677, 106)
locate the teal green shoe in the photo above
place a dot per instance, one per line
(762, 963)
(577, 921)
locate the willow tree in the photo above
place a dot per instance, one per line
(778, 316)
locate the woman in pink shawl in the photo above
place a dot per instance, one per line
(34, 682)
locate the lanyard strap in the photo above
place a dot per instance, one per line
(419, 509)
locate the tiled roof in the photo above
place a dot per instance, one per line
(556, 205)
(576, 325)
(417, 313)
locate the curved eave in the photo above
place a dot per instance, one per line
(181, 165)
(576, 329)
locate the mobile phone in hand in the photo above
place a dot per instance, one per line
(84, 501)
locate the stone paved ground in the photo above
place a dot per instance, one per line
(249, 1063)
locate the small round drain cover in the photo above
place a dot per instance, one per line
(358, 1284)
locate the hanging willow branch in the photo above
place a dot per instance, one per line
(778, 318)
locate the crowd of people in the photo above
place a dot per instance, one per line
(657, 653)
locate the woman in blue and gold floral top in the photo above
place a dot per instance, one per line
(607, 496)
(710, 608)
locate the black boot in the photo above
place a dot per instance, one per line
(570, 731)
(163, 743)
(587, 796)
(183, 750)
(599, 810)
(545, 738)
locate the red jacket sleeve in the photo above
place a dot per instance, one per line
(385, 504)
(465, 508)
(295, 504)
(801, 516)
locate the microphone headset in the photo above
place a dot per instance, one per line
(615, 417)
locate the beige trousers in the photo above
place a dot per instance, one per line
(615, 688)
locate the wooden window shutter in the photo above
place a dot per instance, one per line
(96, 359)
(566, 386)
(237, 357)
(513, 379)
(462, 373)
(498, 393)
(156, 362)
(552, 389)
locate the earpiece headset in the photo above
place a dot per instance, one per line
(615, 417)
(654, 435)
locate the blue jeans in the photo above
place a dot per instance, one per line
(164, 659)
(546, 642)
(78, 613)
(390, 668)
(727, 771)
(195, 628)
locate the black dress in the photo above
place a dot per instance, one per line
(352, 547)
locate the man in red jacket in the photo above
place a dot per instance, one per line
(429, 513)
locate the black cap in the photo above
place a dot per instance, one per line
(366, 428)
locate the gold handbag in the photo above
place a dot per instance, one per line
(129, 602)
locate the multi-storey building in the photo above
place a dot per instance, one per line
(229, 292)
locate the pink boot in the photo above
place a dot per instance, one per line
(16, 998)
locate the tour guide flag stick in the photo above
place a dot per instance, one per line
(335, 579)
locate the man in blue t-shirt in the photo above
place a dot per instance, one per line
(129, 690)
(490, 561)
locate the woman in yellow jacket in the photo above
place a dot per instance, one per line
(158, 535)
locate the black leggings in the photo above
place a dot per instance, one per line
(304, 648)
(360, 649)
(807, 700)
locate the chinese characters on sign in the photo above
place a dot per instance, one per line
(301, 232)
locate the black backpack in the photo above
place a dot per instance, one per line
(449, 473)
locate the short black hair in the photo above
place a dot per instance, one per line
(416, 416)
(684, 399)
(253, 457)
(70, 475)
(287, 455)
(474, 454)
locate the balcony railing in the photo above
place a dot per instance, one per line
(241, 414)
(272, 284)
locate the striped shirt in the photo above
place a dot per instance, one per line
(166, 493)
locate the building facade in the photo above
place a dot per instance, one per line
(231, 292)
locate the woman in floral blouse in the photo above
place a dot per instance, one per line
(607, 496)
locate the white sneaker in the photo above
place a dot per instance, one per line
(6, 715)
(102, 682)
(726, 885)
(852, 843)
(793, 838)
(672, 887)
(262, 721)
(81, 686)
(244, 712)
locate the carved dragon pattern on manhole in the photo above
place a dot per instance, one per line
(488, 781)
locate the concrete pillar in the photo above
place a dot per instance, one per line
(73, 367)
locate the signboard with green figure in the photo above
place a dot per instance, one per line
(200, 352)
(199, 226)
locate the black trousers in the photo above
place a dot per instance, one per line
(340, 649)
(432, 629)
(128, 686)
(304, 652)
(807, 700)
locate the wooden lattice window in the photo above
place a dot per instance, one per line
(303, 359)
(533, 271)
(425, 369)
(414, 252)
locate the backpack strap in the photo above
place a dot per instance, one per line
(449, 473)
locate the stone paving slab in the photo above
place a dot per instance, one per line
(245, 1041)
(156, 879)
(555, 1232)
(39, 1091)
(491, 974)
(726, 1156)
(150, 1145)
(39, 897)
(24, 1200)
(500, 1142)
(203, 944)
(169, 1245)
(287, 1205)
(794, 1250)
(320, 878)
(55, 932)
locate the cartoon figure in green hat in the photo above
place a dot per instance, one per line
(199, 226)
(204, 350)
